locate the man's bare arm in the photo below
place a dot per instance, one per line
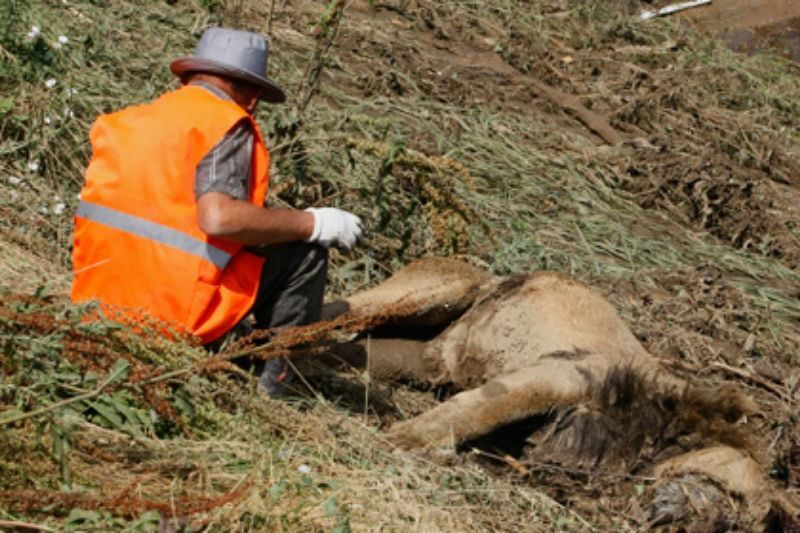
(220, 215)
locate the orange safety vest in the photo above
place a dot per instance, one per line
(137, 244)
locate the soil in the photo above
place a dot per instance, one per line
(783, 36)
(742, 14)
(750, 25)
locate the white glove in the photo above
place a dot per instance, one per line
(335, 227)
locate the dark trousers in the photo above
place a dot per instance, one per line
(290, 293)
(292, 285)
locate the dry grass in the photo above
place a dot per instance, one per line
(226, 458)
(690, 225)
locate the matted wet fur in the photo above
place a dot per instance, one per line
(627, 425)
(628, 422)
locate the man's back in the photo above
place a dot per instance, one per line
(137, 240)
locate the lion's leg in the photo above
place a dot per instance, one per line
(391, 359)
(427, 292)
(504, 399)
(684, 489)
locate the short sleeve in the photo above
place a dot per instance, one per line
(226, 167)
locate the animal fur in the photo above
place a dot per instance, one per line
(625, 421)
(505, 351)
(543, 342)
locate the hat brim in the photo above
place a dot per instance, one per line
(272, 92)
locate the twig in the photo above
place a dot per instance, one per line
(510, 461)
(775, 439)
(284, 344)
(62, 403)
(269, 17)
(751, 377)
(557, 71)
(328, 28)
(368, 382)
(15, 525)
(589, 472)
(571, 104)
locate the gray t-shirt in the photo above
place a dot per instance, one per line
(226, 167)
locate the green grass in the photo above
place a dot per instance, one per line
(541, 193)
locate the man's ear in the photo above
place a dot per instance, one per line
(251, 107)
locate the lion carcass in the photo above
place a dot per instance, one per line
(530, 344)
(516, 346)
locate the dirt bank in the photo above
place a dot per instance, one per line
(748, 25)
(724, 15)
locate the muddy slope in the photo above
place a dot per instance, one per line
(696, 150)
(725, 15)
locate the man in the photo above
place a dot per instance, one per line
(171, 222)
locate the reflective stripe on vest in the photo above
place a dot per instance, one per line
(155, 232)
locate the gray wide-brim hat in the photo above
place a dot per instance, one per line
(233, 53)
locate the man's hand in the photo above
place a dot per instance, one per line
(335, 227)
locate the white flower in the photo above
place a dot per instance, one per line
(50, 83)
(33, 166)
(47, 120)
(59, 208)
(72, 91)
(43, 210)
(14, 180)
(304, 469)
(35, 32)
(62, 39)
(56, 45)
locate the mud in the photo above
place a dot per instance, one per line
(783, 37)
(753, 25)
(723, 15)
